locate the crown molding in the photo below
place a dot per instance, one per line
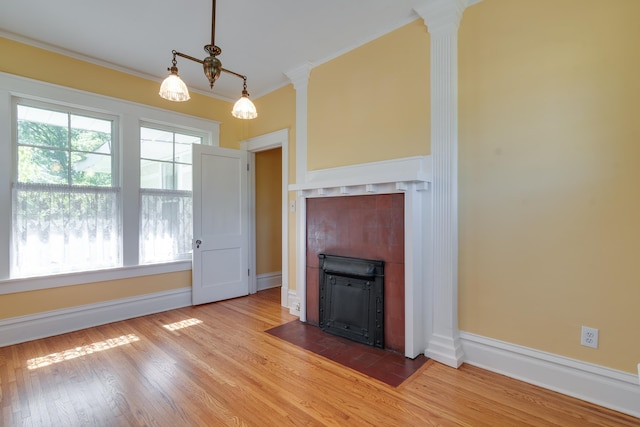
(443, 15)
(299, 76)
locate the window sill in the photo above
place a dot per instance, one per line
(25, 284)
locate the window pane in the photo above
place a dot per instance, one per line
(40, 115)
(156, 144)
(91, 169)
(165, 226)
(91, 124)
(183, 177)
(188, 139)
(150, 134)
(90, 134)
(39, 165)
(156, 150)
(183, 153)
(156, 174)
(43, 134)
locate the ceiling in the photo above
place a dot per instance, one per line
(261, 39)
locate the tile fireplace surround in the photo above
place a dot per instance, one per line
(365, 226)
(350, 207)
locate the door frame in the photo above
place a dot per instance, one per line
(277, 139)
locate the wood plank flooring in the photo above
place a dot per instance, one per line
(214, 365)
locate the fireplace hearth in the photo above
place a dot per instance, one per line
(351, 300)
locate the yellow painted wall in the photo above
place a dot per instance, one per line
(269, 211)
(549, 147)
(277, 111)
(38, 64)
(372, 103)
(25, 303)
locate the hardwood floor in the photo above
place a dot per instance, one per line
(214, 365)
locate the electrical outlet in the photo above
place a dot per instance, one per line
(589, 337)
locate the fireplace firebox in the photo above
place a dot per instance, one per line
(352, 298)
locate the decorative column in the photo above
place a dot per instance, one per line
(300, 79)
(442, 18)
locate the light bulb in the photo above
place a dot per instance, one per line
(174, 89)
(244, 108)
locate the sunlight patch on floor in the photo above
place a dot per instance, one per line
(40, 362)
(182, 324)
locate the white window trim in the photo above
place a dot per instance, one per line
(131, 116)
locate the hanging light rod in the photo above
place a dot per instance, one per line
(174, 89)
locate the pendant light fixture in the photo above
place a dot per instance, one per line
(174, 89)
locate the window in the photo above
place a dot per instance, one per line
(72, 210)
(65, 194)
(165, 194)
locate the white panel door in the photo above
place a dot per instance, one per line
(220, 224)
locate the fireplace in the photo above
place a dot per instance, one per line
(363, 226)
(352, 298)
(389, 211)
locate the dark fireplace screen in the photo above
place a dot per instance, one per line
(352, 298)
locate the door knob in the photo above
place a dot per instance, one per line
(198, 242)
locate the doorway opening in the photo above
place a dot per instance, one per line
(268, 218)
(254, 146)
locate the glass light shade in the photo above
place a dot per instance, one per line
(244, 109)
(174, 89)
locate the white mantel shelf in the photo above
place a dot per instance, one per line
(375, 177)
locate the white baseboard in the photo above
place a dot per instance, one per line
(268, 280)
(294, 303)
(26, 328)
(445, 350)
(603, 386)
